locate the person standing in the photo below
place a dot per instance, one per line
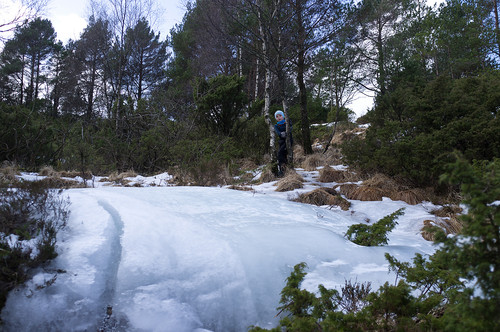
(280, 129)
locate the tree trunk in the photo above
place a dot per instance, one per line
(31, 88)
(141, 77)
(334, 87)
(21, 97)
(90, 104)
(267, 89)
(304, 116)
(497, 27)
(282, 89)
(381, 68)
(37, 79)
(267, 104)
(257, 77)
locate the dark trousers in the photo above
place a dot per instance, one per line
(282, 152)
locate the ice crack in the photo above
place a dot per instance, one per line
(111, 274)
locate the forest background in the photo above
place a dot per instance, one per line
(199, 104)
(120, 98)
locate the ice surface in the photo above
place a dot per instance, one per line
(198, 259)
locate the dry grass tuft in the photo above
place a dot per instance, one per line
(352, 177)
(74, 174)
(241, 188)
(267, 175)
(115, 177)
(364, 193)
(289, 185)
(342, 136)
(450, 225)
(8, 172)
(48, 171)
(247, 164)
(453, 225)
(291, 181)
(426, 232)
(58, 183)
(333, 156)
(312, 162)
(348, 189)
(291, 173)
(383, 182)
(298, 154)
(322, 196)
(447, 211)
(410, 196)
(328, 174)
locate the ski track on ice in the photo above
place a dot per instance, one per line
(114, 238)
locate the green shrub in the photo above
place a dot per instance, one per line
(32, 213)
(28, 138)
(413, 137)
(376, 234)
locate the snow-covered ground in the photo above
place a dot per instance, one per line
(165, 258)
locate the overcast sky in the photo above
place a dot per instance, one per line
(69, 17)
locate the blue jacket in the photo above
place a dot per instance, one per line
(281, 127)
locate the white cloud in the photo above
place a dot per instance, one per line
(68, 26)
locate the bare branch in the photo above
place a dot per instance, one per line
(18, 12)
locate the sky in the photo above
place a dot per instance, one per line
(69, 17)
(200, 259)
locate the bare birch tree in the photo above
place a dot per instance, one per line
(18, 12)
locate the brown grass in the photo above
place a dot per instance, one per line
(426, 232)
(291, 173)
(447, 211)
(298, 154)
(451, 225)
(333, 156)
(410, 196)
(328, 174)
(8, 172)
(383, 182)
(291, 181)
(341, 137)
(368, 194)
(118, 177)
(321, 197)
(48, 171)
(74, 174)
(312, 162)
(247, 164)
(267, 175)
(348, 189)
(241, 188)
(347, 135)
(58, 183)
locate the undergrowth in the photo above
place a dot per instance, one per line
(376, 234)
(30, 216)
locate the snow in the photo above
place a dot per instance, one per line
(166, 258)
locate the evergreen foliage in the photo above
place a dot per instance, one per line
(376, 234)
(34, 212)
(220, 103)
(116, 100)
(455, 289)
(431, 122)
